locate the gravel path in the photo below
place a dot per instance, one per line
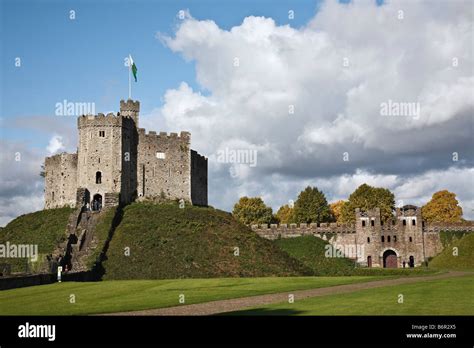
(223, 306)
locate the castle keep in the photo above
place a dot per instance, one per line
(372, 243)
(118, 162)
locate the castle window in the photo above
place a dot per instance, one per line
(388, 239)
(383, 239)
(363, 223)
(411, 239)
(381, 223)
(368, 239)
(52, 195)
(394, 239)
(98, 177)
(160, 155)
(413, 222)
(372, 223)
(404, 222)
(102, 134)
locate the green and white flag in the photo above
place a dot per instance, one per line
(133, 67)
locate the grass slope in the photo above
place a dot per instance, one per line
(46, 228)
(128, 295)
(463, 261)
(194, 242)
(451, 296)
(310, 251)
(102, 230)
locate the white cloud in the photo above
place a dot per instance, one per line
(256, 71)
(55, 144)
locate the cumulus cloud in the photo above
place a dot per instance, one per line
(308, 98)
(21, 186)
(55, 144)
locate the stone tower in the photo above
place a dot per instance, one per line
(130, 109)
(117, 162)
(107, 155)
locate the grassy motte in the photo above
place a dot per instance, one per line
(45, 228)
(159, 241)
(452, 296)
(129, 295)
(463, 260)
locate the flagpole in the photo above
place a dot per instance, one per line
(129, 78)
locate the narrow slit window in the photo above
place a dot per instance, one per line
(102, 134)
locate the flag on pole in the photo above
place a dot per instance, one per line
(133, 67)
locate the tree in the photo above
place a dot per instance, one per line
(336, 210)
(284, 215)
(443, 207)
(311, 206)
(367, 197)
(252, 210)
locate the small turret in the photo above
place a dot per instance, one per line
(131, 109)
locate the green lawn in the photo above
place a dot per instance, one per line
(127, 295)
(453, 296)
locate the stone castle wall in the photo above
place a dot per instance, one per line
(164, 165)
(100, 154)
(120, 162)
(406, 235)
(198, 179)
(60, 180)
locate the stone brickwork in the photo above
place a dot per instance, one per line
(117, 162)
(164, 165)
(198, 178)
(407, 236)
(60, 180)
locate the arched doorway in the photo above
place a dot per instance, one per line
(369, 261)
(96, 202)
(390, 259)
(411, 263)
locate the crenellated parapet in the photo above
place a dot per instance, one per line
(274, 231)
(99, 120)
(129, 105)
(130, 108)
(467, 226)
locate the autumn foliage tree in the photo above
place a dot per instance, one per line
(311, 206)
(336, 210)
(284, 215)
(367, 197)
(252, 210)
(443, 207)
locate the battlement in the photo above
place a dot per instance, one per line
(101, 120)
(163, 136)
(304, 228)
(460, 226)
(61, 158)
(129, 105)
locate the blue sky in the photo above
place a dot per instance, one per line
(82, 59)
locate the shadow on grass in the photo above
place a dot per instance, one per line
(264, 312)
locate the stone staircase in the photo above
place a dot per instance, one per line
(81, 240)
(86, 241)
